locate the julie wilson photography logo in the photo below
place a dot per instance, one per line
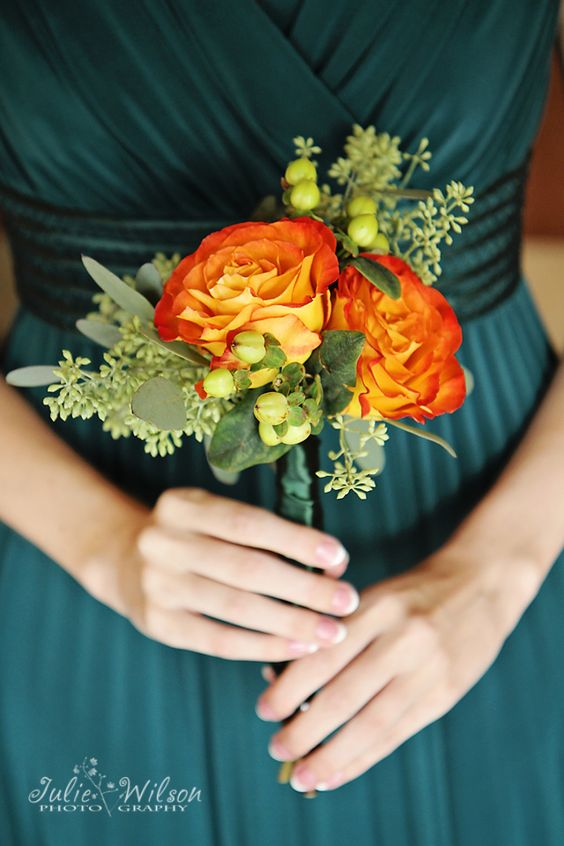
(88, 790)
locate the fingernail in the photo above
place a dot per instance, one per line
(330, 783)
(267, 673)
(299, 647)
(278, 751)
(264, 711)
(331, 552)
(345, 599)
(332, 630)
(302, 779)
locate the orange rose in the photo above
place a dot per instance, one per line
(407, 367)
(265, 277)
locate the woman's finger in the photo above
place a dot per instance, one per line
(185, 630)
(248, 525)
(303, 678)
(202, 595)
(343, 697)
(370, 735)
(247, 569)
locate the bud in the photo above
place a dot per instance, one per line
(219, 383)
(380, 244)
(305, 195)
(363, 229)
(249, 347)
(297, 434)
(271, 407)
(363, 204)
(267, 435)
(300, 169)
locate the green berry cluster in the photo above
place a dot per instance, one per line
(260, 352)
(292, 411)
(300, 183)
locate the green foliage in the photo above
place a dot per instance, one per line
(235, 444)
(107, 392)
(160, 402)
(346, 477)
(335, 363)
(381, 277)
(374, 164)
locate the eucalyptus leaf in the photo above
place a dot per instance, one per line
(160, 402)
(33, 376)
(105, 334)
(235, 444)
(177, 347)
(127, 298)
(381, 277)
(374, 457)
(148, 282)
(428, 436)
(335, 361)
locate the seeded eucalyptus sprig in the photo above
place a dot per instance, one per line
(374, 207)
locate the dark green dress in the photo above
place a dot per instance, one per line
(130, 127)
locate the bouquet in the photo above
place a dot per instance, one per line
(319, 310)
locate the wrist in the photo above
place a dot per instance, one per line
(506, 561)
(102, 556)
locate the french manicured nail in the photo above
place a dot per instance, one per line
(264, 711)
(331, 630)
(345, 599)
(278, 751)
(300, 647)
(331, 783)
(331, 553)
(302, 779)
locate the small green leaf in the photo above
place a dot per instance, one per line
(293, 373)
(274, 357)
(105, 334)
(236, 445)
(281, 429)
(33, 376)
(335, 362)
(421, 433)
(296, 398)
(160, 402)
(296, 416)
(242, 379)
(176, 347)
(381, 277)
(127, 298)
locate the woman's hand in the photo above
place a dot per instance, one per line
(198, 554)
(415, 645)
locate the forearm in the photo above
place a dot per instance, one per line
(52, 496)
(524, 510)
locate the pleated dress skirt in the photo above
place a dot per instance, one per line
(80, 682)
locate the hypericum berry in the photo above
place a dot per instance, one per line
(271, 407)
(363, 204)
(219, 383)
(249, 347)
(380, 244)
(267, 435)
(297, 434)
(305, 195)
(300, 169)
(363, 229)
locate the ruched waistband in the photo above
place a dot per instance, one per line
(480, 269)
